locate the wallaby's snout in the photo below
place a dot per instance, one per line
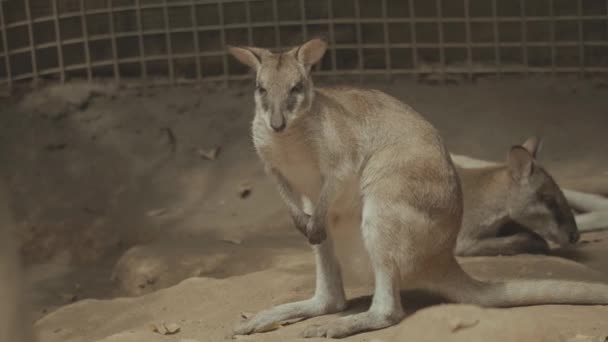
(278, 126)
(564, 216)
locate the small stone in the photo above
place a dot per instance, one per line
(232, 241)
(165, 328)
(244, 190)
(157, 212)
(172, 328)
(209, 154)
(457, 324)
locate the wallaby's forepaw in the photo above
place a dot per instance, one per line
(301, 220)
(315, 231)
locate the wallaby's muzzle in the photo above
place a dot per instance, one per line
(277, 122)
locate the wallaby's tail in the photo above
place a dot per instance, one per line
(457, 285)
(589, 222)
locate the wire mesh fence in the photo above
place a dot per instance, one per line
(185, 40)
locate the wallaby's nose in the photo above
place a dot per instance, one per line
(574, 236)
(279, 127)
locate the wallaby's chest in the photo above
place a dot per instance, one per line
(295, 160)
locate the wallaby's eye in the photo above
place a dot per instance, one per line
(550, 202)
(297, 88)
(261, 90)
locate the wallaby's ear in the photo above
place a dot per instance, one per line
(311, 52)
(533, 145)
(520, 162)
(248, 55)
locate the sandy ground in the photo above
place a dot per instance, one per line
(116, 205)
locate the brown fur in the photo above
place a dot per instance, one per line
(513, 208)
(364, 156)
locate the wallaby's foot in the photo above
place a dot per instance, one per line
(505, 245)
(304, 309)
(386, 309)
(354, 324)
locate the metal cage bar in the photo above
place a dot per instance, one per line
(58, 40)
(32, 47)
(220, 9)
(115, 68)
(140, 40)
(387, 42)
(332, 36)
(321, 21)
(524, 36)
(197, 61)
(7, 62)
(359, 38)
(213, 59)
(496, 38)
(85, 39)
(275, 21)
(412, 12)
(581, 46)
(552, 36)
(304, 18)
(440, 38)
(467, 32)
(169, 41)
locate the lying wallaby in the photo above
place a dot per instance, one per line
(506, 215)
(14, 322)
(367, 153)
(593, 207)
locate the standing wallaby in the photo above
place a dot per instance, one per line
(510, 210)
(377, 160)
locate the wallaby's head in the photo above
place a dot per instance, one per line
(535, 200)
(284, 88)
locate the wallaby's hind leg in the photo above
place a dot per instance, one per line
(386, 307)
(522, 242)
(328, 298)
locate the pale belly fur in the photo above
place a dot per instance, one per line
(344, 215)
(343, 227)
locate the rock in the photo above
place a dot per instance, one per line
(209, 154)
(244, 190)
(171, 328)
(146, 268)
(165, 328)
